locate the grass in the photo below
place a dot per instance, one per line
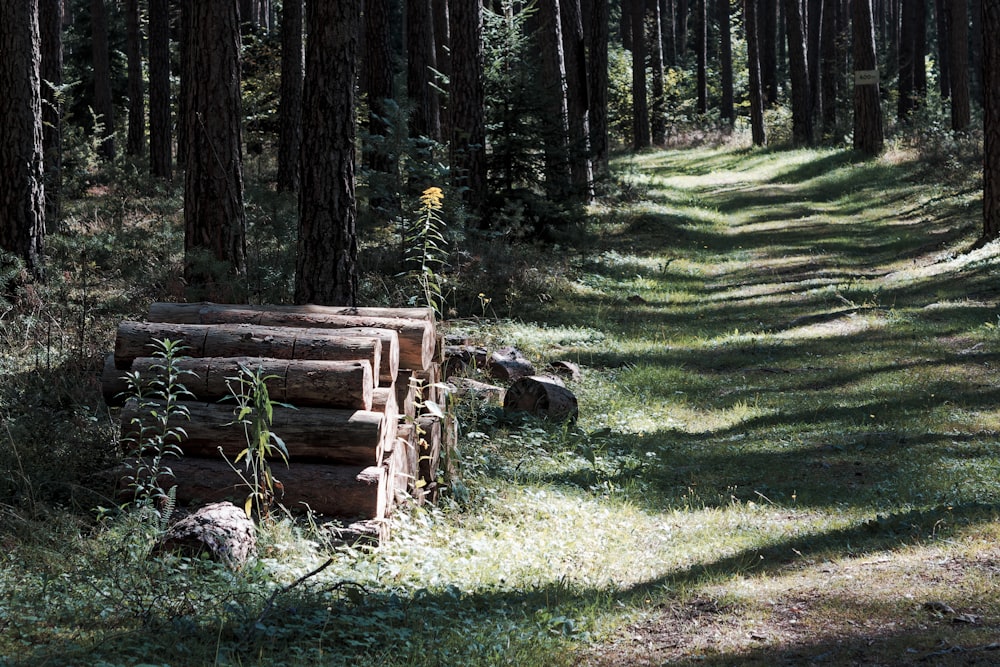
(787, 453)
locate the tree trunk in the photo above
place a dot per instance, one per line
(298, 382)
(555, 116)
(683, 11)
(103, 103)
(50, 20)
(726, 110)
(214, 217)
(976, 51)
(597, 79)
(468, 132)
(756, 92)
(377, 85)
(943, 47)
(799, 70)
(920, 53)
(701, 49)
(768, 41)
(417, 338)
(159, 90)
(832, 72)
(421, 64)
(22, 194)
(135, 141)
(961, 113)
(868, 132)
(658, 105)
(668, 31)
(640, 106)
(327, 256)
(290, 101)
(815, 31)
(991, 121)
(574, 52)
(442, 55)
(908, 61)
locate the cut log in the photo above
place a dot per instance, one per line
(429, 454)
(298, 382)
(566, 370)
(428, 387)
(417, 338)
(508, 363)
(542, 396)
(354, 437)
(482, 391)
(405, 394)
(384, 401)
(408, 469)
(135, 339)
(464, 359)
(342, 491)
(220, 530)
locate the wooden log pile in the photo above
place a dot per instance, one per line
(358, 441)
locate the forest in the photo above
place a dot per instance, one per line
(758, 240)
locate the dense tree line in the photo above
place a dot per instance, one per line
(511, 99)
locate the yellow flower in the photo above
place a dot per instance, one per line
(431, 198)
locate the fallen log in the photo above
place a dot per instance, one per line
(541, 396)
(342, 491)
(135, 339)
(416, 331)
(298, 382)
(508, 363)
(354, 437)
(221, 530)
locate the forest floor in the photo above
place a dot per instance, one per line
(787, 453)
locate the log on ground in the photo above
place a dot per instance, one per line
(541, 396)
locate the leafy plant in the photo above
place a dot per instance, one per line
(153, 433)
(255, 413)
(425, 248)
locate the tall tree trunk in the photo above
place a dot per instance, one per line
(961, 113)
(22, 195)
(799, 66)
(103, 104)
(976, 50)
(701, 55)
(868, 132)
(597, 77)
(290, 102)
(907, 60)
(682, 15)
(442, 45)
(830, 65)
(668, 31)
(159, 89)
(555, 119)
(991, 120)
(183, 46)
(326, 270)
(574, 49)
(50, 20)
(943, 47)
(468, 125)
(756, 92)
(726, 110)
(214, 217)
(815, 32)
(767, 30)
(640, 104)
(135, 141)
(425, 119)
(658, 105)
(625, 24)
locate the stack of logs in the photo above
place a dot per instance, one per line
(357, 438)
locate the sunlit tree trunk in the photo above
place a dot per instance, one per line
(326, 270)
(756, 92)
(658, 104)
(555, 120)
(574, 50)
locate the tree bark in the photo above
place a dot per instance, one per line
(597, 80)
(832, 71)
(640, 105)
(135, 140)
(868, 131)
(103, 103)
(377, 85)
(22, 194)
(327, 256)
(160, 158)
(768, 41)
(726, 110)
(658, 104)
(574, 52)
(911, 23)
(943, 47)
(214, 217)
(958, 22)
(555, 116)
(701, 53)
(541, 396)
(468, 132)
(50, 19)
(976, 51)
(756, 92)
(290, 101)
(421, 64)
(991, 121)
(798, 64)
